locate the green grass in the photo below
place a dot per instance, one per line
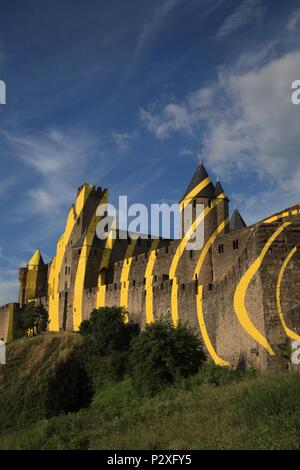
(215, 409)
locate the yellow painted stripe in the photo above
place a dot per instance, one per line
(81, 267)
(125, 274)
(199, 301)
(149, 281)
(217, 360)
(179, 251)
(53, 282)
(101, 294)
(183, 243)
(207, 246)
(274, 218)
(288, 331)
(241, 290)
(194, 192)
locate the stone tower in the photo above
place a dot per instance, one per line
(33, 279)
(222, 207)
(201, 191)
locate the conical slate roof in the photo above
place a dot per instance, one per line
(199, 176)
(236, 222)
(219, 189)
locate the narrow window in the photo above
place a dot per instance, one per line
(235, 244)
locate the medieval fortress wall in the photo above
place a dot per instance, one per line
(240, 291)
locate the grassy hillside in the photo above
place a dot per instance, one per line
(211, 410)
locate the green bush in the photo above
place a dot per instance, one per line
(107, 339)
(68, 389)
(163, 353)
(106, 331)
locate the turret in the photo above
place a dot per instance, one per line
(222, 207)
(199, 197)
(236, 222)
(33, 279)
(200, 191)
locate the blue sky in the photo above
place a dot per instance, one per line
(127, 94)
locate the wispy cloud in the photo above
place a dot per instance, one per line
(148, 36)
(181, 117)
(57, 159)
(186, 152)
(294, 20)
(123, 140)
(249, 11)
(246, 123)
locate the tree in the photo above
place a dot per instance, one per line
(107, 330)
(35, 319)
(163, 353)
(69, 388)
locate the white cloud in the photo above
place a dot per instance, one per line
(249, 11)
(123, 140)
(294, 20)
(57, 161)
(181, 117)
(186, 152)
(246, 122)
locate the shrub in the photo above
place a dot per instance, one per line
(35, 319)
(106, 331)
(163, 353)
(68, 389)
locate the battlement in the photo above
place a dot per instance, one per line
(158, 277)
(97, 190)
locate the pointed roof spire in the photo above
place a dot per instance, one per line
(219, 189)
(199, 176)
(35, 260)
(236, 222)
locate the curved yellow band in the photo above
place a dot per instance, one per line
(81, 267)
(125, 274)
(288, 331)
(101, 293)
(241, 290)
(217, 360)
(149, 281)
(196, 190)
(179, 251)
